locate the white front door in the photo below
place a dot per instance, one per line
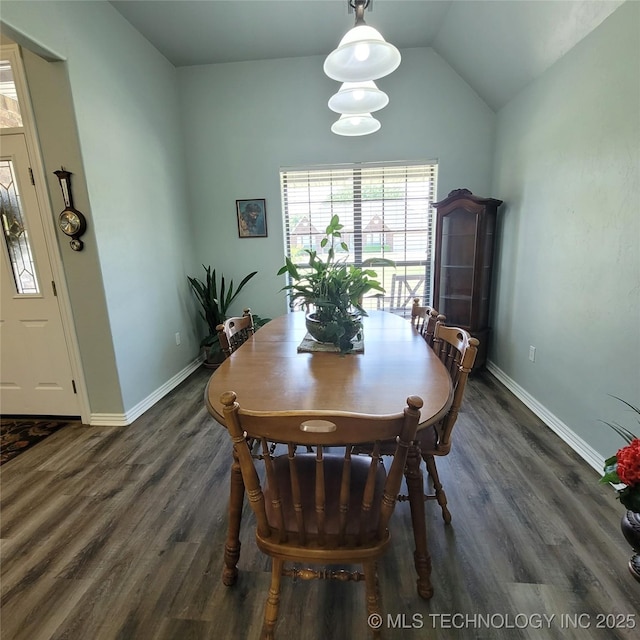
(35, 370)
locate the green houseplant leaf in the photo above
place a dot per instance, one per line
(215, 301)
(332, 288)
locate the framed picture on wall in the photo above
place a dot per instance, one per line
(252, 218)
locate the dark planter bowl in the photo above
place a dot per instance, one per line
(318, 329)
(213, 358)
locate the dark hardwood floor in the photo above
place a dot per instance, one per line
(118, 533)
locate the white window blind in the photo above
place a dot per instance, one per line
(386, 212)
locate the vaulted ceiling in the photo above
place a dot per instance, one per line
(497, 46)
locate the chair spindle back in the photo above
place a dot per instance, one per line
(457, 350)
(314, 501)
(235, 331)
(424, 319)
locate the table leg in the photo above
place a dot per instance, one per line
(232, 544)
(415, 486)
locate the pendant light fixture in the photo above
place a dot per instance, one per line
(363, 54)
(357, 124)
(358, 97)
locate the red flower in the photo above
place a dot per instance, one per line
(628, 467)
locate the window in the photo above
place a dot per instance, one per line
(386, 212)
(9, 108)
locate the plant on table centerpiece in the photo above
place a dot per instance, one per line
(215, 302)
(331, 290)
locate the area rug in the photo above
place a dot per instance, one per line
(18, 434)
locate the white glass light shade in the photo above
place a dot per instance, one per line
(359, 124)
(363, 54)
(358, 97)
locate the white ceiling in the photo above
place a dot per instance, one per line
(497, 46)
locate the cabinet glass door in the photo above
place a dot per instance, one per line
(457, 267)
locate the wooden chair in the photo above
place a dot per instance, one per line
(457, 350)
(235, 331)
(424, 320)
(419, 315)
(327, 507)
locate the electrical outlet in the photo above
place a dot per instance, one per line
(532, 353)
(178, 339)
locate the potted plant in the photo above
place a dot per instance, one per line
(215, 302)
(623, 470)
(331, 291)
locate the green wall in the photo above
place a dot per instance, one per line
(125, 100)
(53, 110)
(243, 121)
(568, 276)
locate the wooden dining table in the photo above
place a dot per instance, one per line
(269, 374)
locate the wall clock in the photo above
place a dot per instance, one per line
(71, 222)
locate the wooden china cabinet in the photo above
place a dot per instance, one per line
(464, 242)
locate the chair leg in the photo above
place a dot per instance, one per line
(273, 600)
(232, 543)
(441, 496)
(373, 600)
(421, 557)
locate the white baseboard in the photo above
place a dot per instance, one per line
(125, 419)
(584, 450)
(108, 420)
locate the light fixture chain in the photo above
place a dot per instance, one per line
(359, 6)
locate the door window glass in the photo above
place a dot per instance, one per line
(15, 232)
